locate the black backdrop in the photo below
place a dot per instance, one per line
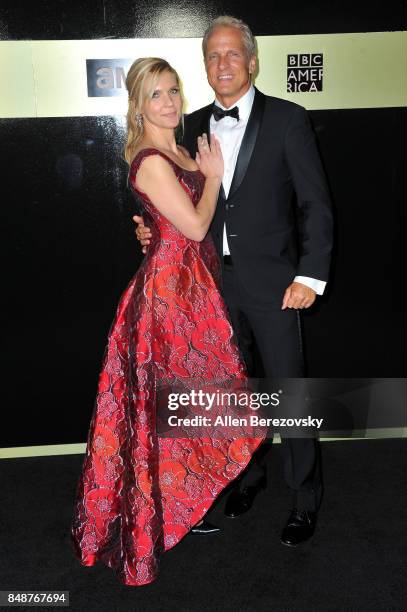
(69, 250)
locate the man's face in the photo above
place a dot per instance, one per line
(227, 66)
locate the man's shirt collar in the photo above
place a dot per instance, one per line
(244, 103)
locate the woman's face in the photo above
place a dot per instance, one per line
(164, 108)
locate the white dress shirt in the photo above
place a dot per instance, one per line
(230, 134)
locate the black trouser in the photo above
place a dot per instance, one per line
(277, 334)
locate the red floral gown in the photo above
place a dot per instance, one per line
(139, 494)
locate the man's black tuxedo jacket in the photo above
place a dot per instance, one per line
(272, 235)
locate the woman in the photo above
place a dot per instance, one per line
(140, 493)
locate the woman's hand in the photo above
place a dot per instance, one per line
(209, 157)
(143, 233)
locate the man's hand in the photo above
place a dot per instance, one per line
(142, 232)
(298, 295)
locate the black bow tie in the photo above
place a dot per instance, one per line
(219, 113)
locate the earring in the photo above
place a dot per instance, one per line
(139, 120)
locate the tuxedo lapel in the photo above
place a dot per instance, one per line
(205, 127)
(248, 141)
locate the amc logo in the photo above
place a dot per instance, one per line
(107, 77)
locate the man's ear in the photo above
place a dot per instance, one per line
(252, 64)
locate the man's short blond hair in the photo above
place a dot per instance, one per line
(226, 21)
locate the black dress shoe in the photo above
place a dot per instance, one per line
(205, 528)
(240, 501)
(299, 528)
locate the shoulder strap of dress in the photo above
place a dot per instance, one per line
(135, 164)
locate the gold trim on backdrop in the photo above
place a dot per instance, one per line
(17, 98)
(77, 449)
(366, 70)
(42, 451)
(358, 70)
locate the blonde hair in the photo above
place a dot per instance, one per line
(141, 81)
(226, 21)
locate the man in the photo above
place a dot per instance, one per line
(275, 258)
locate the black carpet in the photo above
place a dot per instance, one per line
(357, 559)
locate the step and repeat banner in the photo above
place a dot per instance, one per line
(86, 77)
(59, 86)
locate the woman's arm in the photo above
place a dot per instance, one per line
(157, 180)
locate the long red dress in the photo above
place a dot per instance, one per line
(138, 493)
